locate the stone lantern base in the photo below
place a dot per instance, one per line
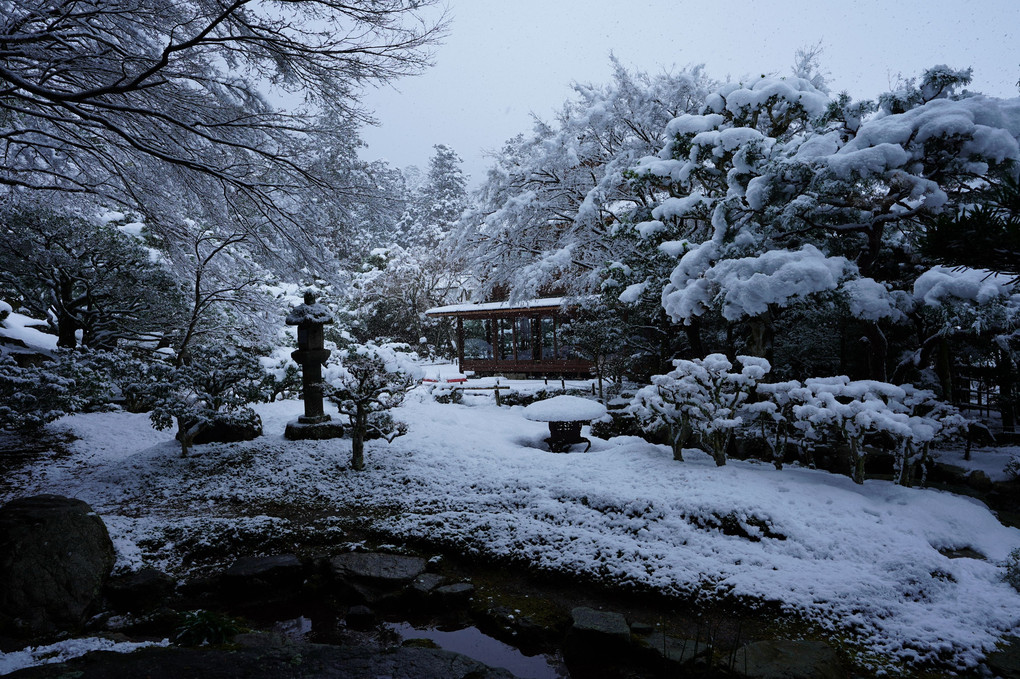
(319, 428)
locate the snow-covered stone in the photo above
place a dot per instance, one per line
(564, 408)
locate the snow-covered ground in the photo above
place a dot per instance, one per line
(62, 651)
(860, 561)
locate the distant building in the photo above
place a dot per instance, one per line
(522, 337)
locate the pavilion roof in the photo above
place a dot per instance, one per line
(550, 304)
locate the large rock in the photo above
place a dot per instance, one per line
(451, 596)
(596, 635)
(142, 590)
(426, 583)
(231, 429)
(673, 654)
(788, 660)
(55, 555)
(979, 480)
(271, 661)
(1005, 662)
(264, 578)
(374, 578)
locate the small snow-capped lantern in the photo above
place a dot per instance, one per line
(565, 415)
(311, 355)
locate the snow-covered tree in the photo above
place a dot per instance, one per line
(551, 202)
(976, 313)
(214, 385)
(159, 104)
(32, 395)
(850, 410)
(366, 382)
(222, 282)
(435, 206)
(389, 296)
(595, 334)
(702, 396)
(777, 170)
(85, 276)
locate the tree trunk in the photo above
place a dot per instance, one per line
(186, 435)
(762, 333)
(943, 361)
(693, 332)
(719, 447)
(678, 436)
(67, 330)
(1004, 380)
(358, 439)
(878, 352)
(856, 462)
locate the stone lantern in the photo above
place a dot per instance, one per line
(311, 355)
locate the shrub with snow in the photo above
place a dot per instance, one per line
(214, 384)
(1012, 575)
(703, 396)
(33, 395)
(365, 382)
(850, 410)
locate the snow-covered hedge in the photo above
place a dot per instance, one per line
(706, 399)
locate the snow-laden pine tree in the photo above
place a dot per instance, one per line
(789, 211)
(93, 283)
(435, 204)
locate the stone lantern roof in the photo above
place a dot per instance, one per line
(311, 312)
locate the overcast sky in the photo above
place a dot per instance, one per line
(506, 59)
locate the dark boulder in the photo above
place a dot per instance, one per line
(360, 618)
(264, 578)
(597, 634)
(455, 595)
(55, 556)
(979, 480)
(788, 660)
(426, 583)
(142, 590)
(231, 429)
(374, 578)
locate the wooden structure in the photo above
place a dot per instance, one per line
(505, 338)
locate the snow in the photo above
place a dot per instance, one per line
(860, 561)
(747, 286)
(870, 300)
(63, 651)
(564, 408)
(992, 461)
(632, 293)
(940, 284)
(22, 328)
(989, 125)
(310, 313)
(547, 302)
(677, 208)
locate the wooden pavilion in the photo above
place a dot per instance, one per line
(522, 337)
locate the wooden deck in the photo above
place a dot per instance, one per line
(557, 368)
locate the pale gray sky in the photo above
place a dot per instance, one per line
(505, 59)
